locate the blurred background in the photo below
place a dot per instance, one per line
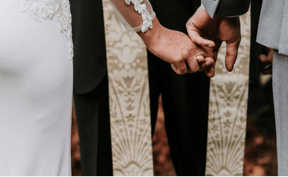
(260, 150)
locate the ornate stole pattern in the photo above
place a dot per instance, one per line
(228, 111)
(130, 108)
(129, 99)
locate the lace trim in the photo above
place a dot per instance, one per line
(52, 8)
(142, 10)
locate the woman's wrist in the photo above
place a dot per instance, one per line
(151, 34)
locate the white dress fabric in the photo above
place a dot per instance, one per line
(35, 87)
(36, 78)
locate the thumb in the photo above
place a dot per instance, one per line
(231, 53)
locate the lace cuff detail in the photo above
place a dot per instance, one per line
(143, 7)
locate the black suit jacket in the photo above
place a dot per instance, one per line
(232, 7)
(174, 14)
(89, 44)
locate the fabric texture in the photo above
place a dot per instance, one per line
(89, 45)
(92, 113)
(256, 49)
(280, 93)
(36, 89)
(228, 110)
(91, 95)
(272, 31)
(210, 6)
(226, 8)
(130, 121)
(186, 115)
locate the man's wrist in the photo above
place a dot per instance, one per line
(200, 15)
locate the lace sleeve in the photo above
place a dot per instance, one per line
(137, 18)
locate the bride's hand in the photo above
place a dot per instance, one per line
(177, 48)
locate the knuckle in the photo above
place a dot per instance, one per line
(195, 69)
(189, 71)
(183, 71)
(185, 53)
(179, 59)
(179, 72)
(187, 24)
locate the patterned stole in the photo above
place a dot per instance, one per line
(130, 104)
(129, 99)
(228, 111)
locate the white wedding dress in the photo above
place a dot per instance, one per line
(36, 51)
(35, 87)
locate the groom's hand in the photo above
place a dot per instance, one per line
(204, 31)
(175, 48)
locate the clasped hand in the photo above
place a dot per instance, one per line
(178, 49)
(199, 50)
(202, 29)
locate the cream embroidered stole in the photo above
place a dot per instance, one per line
(129, 99)
(228, 111)
(130, 108)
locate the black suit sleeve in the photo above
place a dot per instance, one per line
(226, 8)
(232, 7)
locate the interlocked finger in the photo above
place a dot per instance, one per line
(180, 68)
(192, 64)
